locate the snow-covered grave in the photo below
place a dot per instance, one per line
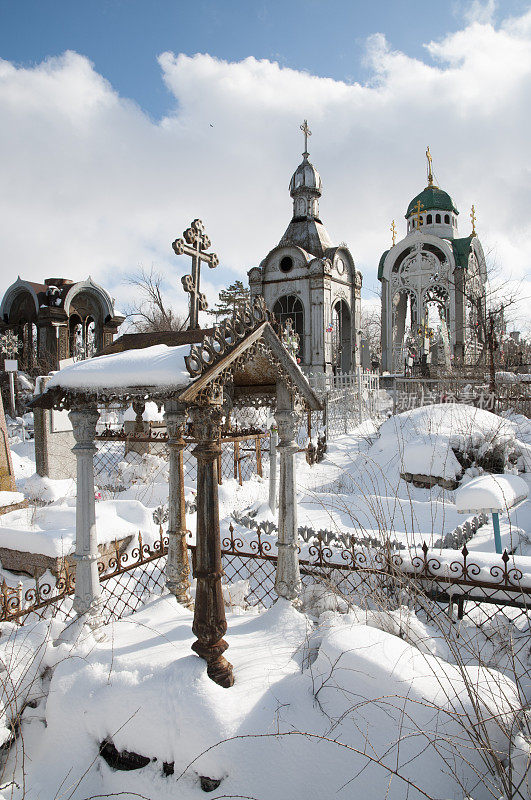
(325, 703)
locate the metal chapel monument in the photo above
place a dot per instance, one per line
(433, 287)
(308, 279)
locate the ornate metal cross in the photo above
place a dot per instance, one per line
(194, 244)
(9, 344)
(473, 218)
(393, 232)
(290, 338)
(307, 132)
(417, 209)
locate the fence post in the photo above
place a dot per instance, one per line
(360, 395)
(258, 451)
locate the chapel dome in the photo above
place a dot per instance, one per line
(305, 176)
(432, 199)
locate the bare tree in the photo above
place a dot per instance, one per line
(371, 328)
(150, 312)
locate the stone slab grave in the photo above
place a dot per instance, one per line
(35, 564)
(54, 441)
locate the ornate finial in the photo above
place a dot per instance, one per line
(417, 216)
(430, 166)
(393, 232)
(473, 218)
(307, 132)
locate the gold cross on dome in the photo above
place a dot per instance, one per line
(194, 244)
(417, 215)
(430, 166)
(307, 132)
(393, 232)
(473, 218)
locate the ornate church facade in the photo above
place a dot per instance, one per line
(308, 279)
(58, 319)
(433, 288)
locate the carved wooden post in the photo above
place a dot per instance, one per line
(177, 566)
(87, 597)
(288, 579)
(210, 623)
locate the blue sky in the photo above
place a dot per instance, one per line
(93, 183)
(124, 37)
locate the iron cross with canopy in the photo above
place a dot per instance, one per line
(194, 244)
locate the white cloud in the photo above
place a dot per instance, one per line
(90, 184)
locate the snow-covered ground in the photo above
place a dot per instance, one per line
(330, 700)
(356, 704)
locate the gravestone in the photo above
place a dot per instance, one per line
(54, 441)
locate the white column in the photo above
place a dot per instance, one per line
(87, 598)
(288, 579)
(177, 566)
(273, 437)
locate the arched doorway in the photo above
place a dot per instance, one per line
(404, 322)
(341, 337)
(290, 307)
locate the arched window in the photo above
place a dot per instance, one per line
(341, 338)
(437, 218)
(290, 307)
(447, 219)
(429, 219)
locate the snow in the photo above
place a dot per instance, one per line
(491, 493)
(430, 456)
(313, 709)
(158, 365)
(51, 530)
(10, 498)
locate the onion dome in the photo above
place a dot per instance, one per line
(305, 177)
(432, 199)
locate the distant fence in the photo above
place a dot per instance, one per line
(121, 458)
(349, 399)
(410, 393)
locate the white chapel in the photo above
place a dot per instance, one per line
(308, 279)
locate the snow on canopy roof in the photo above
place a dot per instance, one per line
(158, 365)
(490, 493)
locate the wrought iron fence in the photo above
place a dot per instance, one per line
(436, 585)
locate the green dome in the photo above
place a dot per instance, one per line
(432, 198)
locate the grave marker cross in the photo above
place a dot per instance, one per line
(9, 344)
(194, 244)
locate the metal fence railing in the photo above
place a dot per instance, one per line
(448, 587)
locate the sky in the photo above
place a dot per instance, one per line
(124, 120)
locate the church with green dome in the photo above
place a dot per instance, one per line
(433, 289)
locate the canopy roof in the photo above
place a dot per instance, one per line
(244, 353)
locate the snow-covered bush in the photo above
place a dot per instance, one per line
(441, 441)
